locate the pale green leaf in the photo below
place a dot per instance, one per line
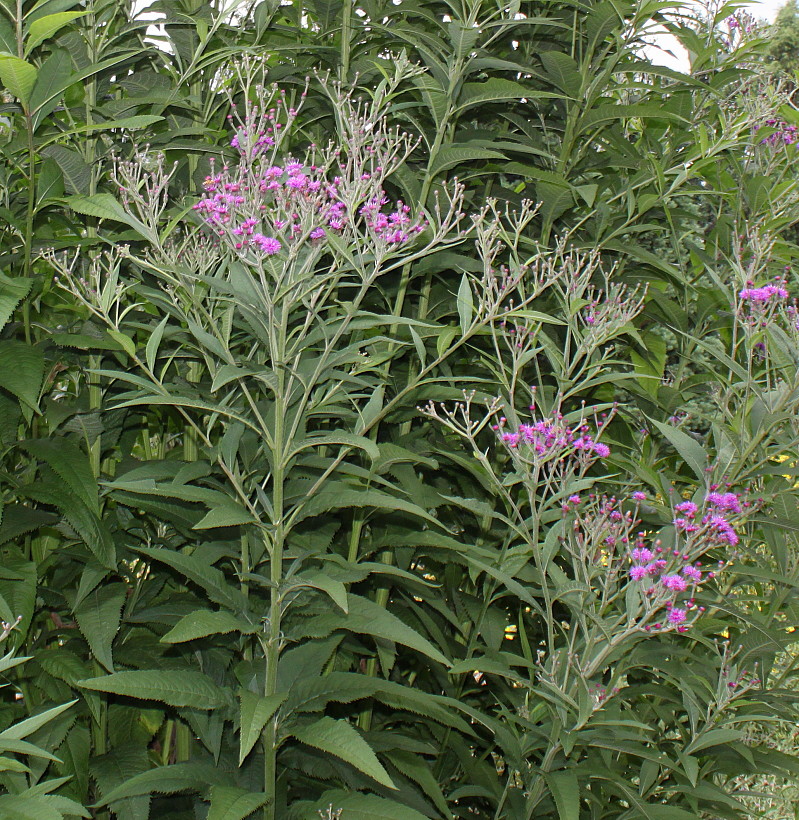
(44, 27)
(465, 302)
(18, 77)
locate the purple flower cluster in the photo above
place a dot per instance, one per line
(394, 227)
(764, 294)
(714, 524)
(783, 134)
(552, 438)
(261, 205)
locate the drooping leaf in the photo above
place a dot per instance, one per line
(22, 371)
(368, 618)
(339, 738)
(256, 710)
(192, 776)
(12, 292)
(231, 803)
(98, 618)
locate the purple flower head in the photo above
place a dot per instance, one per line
(317, 233)
(674, 582)
(687, 508)
(297, 181)
(676, 616)
(728, 502)
(638, 496)
(637, 573)
(656, 567)
(694, 573)
(267, 244)
(642, 555)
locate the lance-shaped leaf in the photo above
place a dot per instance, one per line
(368, 618)
(12, 292)
(230, 803)
(339, 738)
(44, 27)
(201, 573)
(205, 622)
(183, 688)
(191, 776)
(98, 619)
(255, 712)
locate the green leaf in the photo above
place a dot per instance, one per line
(495, 90)
(98, 618)
(104, 206)
(44, 27)
(201, 573)
(18, 77)
(465, 303)
(228, 515)
(25, 807)
(715, 737)
(339, 738)
(451, 155)
(368, 618)
(183, 688)
(205, 622)
(690, 450)
(358, 806)
(192, 776)
(71, 465)
(255, 711)
(12, 292)
(18, 731)
(230, 803)
(318, 580)
(22, 371)
(565, 789)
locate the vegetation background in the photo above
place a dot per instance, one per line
(247, 568)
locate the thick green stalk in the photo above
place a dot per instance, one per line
(272, 648)
(346, 38)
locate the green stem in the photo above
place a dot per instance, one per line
(346, 38)
(272, 647)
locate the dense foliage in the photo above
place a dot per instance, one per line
(399, 412)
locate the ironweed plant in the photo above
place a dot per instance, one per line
(269, 339)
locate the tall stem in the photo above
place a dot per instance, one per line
(272, 648)
(346, 39)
